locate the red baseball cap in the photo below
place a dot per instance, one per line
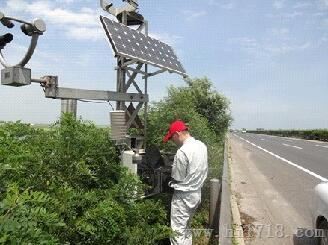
(176, 126)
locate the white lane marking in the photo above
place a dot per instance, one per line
(287, 161)
(297, 147)
(318, 142)
(262, 139)
(324, 146)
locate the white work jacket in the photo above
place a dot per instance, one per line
(190, 166)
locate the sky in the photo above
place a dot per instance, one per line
(269, 58)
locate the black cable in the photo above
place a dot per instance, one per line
(97, 102)
(90, 101)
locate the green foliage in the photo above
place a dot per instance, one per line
(134, 223)
(27, 217)
(65, 185)
(211, 105)
(67, 153)
(205, 110)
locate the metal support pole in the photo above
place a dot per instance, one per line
(69, 106)
(146, 92)
(120, 87)
(121, 74)
(214, 215)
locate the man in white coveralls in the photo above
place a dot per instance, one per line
(189, 172)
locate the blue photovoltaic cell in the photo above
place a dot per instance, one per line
(133, 44)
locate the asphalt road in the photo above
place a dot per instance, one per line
(288, 170)
(312, 155)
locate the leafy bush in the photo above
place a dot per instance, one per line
(211, 105)
(65, 186)
(27, 218)
(205, 110)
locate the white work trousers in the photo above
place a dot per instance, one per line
(183, 207)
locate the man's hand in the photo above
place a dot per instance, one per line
(172, 182)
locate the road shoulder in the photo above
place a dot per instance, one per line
(266, 217)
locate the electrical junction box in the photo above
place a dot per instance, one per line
(127, 161)
(16, 76)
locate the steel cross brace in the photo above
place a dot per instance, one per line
(135, 84)
(134, 115)
(132, 79)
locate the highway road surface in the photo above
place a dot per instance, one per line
(273, 180)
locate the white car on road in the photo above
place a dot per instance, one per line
(320, 211)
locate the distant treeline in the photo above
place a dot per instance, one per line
(315, 134)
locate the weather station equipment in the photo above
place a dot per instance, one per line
(134, 51)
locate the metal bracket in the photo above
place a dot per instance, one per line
(154, 73)
(108, 7)
(135, 70)
(72, 93)
(130, 62)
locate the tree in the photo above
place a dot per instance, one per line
(210, 104)
(198, 104)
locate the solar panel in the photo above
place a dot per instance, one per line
(133, 44)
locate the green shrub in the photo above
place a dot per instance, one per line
(28, 218)
(65, 185)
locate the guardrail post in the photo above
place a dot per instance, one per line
(225, 226)
(215, 188)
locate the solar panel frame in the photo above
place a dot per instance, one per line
(132, 44)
